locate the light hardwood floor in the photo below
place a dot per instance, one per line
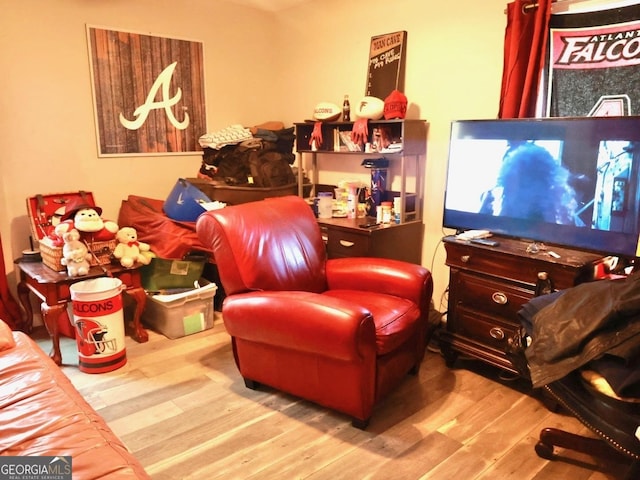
(182, 408)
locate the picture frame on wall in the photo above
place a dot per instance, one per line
(148, 93)
(386, 67)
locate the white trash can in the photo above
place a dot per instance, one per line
(99, 322)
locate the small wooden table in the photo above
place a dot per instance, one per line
(53, 289)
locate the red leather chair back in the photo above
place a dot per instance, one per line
(271, 244)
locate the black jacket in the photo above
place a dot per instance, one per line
(571, 328)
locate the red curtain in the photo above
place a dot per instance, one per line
(9, 309)
(525, 48)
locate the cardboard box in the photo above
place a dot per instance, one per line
(181, 314)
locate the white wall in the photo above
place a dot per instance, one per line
(259, 66)
(453, 71)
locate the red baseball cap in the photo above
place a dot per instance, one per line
(395, 105)
(75, 205)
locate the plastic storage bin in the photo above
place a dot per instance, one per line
(183, 313)
(164, 273)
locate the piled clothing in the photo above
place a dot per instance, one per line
(263, 159)
(595, 324)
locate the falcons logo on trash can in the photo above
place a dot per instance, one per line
(91, 338)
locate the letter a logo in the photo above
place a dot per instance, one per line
(142, 112)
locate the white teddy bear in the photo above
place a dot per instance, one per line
(75, 254)
(129, 250)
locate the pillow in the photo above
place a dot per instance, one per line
(6, 337)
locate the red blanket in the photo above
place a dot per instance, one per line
(168, 238)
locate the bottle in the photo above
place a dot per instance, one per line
(370, 205)
(379, 214)
(386, 212)
(346, 109)
(352, 206)
(396, 209)
(325, 202)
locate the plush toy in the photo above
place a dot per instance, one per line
(87, 220)
(129, 250)
(75, 254)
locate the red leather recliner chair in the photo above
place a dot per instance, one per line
(339, 332)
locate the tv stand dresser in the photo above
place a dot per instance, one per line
(489, 284)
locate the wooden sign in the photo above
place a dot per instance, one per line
(148, 93)
(386, 64)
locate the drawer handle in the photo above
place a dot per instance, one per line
(465, 258)
(500, 298)
(346, 243)
(497, 333)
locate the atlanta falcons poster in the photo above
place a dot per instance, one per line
(594, 63)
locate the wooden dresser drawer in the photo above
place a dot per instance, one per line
(345, 238)
(511, 262)
(341, 243)
(488, 295)
(488, 331)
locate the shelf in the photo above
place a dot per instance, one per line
(401, 241)
(412, 134)
(410, 160)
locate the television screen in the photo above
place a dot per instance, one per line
(564, 181)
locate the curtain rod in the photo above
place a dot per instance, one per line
(527, 7)
(533, 5)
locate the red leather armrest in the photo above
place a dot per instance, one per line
(303, 321)
(394, 277)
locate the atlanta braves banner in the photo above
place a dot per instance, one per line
(148, 93)
(594, 63)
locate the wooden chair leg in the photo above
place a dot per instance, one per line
(633, 472)
(553, 437)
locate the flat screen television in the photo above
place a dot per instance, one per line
(563, 181)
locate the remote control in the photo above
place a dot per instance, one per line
(471, 234)
(484, 241)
